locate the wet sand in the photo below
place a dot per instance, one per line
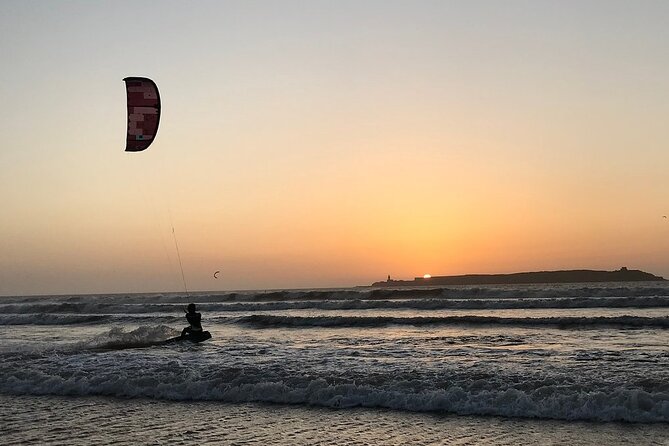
(48, 420)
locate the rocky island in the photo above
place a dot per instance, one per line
(569, 276)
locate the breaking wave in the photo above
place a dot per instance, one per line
(179, 380)
(92, 308)
(261, 320)
(52, 319)
(75, 319)
(652, 289)
(117, 338)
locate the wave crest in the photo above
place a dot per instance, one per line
(261, 320)
(171, 381)
(117, 338)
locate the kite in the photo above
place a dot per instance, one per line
(143, 113)
(215, 276)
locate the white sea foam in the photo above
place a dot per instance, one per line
(117, 338)
(175, 380)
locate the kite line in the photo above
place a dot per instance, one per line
(183, 278)
(144, 107)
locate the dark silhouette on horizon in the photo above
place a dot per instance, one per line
(568, 276)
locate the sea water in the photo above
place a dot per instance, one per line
(535, 364)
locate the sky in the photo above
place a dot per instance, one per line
(330, 143)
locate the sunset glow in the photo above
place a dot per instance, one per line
(327, 144)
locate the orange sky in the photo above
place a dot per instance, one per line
(330, 144)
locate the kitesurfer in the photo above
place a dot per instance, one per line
(194, 321)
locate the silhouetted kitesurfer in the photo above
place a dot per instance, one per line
(193, 332)
(194, 320)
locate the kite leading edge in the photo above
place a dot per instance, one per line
(143, 113)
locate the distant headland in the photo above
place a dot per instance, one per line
(571, 276)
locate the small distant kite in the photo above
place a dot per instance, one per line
(216, 274)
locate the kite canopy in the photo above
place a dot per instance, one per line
(143, 113)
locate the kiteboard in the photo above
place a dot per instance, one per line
(192, 337)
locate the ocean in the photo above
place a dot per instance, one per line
(534, 364)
